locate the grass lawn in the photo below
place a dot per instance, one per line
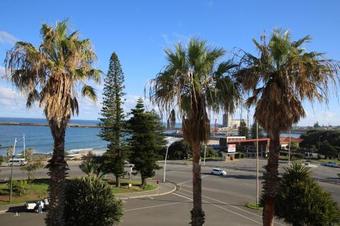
(136, 186)
(35, 190)
(252, 205)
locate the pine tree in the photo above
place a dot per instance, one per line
(253, 131)
(171, 122)
(301, 200)
(146, 140)
(243, 129)
(112, 121)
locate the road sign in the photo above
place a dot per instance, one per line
(231, 148)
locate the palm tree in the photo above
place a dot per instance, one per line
(52, 75)
(279, 80)
(194, 82)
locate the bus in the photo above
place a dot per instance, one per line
(17, 162)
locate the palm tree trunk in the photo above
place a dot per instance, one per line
(117, 181)
(143, 181)
(57, 170)
(197, 213)
(271, 179)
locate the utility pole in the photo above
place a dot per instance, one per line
(257, 165)
(11, 178)
(205, 153)
(290, 141)
(24, 146)
(164, 167)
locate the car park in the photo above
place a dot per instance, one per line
(218, 171)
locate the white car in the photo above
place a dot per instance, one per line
(33, 205)
(218, 171)
(310, 165)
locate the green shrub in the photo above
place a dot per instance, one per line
(89, 202)
(301, 200)
(19, 187)
(2, 159)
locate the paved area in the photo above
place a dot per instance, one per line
(223, 198)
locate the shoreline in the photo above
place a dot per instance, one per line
(72, 125)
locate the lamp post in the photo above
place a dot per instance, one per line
(205, 153)
(257, 165)
(290, 141)
(166, 154)
(24, 145)
(164, 167)
(11, 177)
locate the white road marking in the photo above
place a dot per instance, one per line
(190, 180)
(224, 203)
(228, 210)
(150, 207)
(230, 205)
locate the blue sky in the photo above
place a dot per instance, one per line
(140, 30)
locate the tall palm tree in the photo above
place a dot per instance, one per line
(52, 75)
(279, 80)
(194, 82)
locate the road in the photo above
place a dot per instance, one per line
(223, 197)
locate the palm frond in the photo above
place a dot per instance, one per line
(89, 92)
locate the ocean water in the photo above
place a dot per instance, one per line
(39, 137)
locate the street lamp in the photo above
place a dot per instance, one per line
(170, 140)
(11, 178)
(257, 165)
(290, 143)
(205, 153)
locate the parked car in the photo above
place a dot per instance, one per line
(218, 171)
(310, 165)
(33, 205)
(330, 164)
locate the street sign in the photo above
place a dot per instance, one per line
(231, 148)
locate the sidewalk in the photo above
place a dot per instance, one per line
(163, 189)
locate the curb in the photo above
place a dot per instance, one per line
(2, 211)
(150, 195)
(6, 208)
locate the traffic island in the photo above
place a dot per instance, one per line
(162, 189)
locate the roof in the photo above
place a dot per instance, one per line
(286, 140)
(248, 140)
(283, 140)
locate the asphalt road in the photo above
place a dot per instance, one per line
(223, 197)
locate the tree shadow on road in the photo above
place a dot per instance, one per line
(246, 177)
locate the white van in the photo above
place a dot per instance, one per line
(17, 162)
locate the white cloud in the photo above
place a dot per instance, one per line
(13, 104)
(324, 117)
(2, 71)
(7, 38)
(171, 39)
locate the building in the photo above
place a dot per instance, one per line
(232, 146)
(284, 141)
(229, 122)
(226, 120)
